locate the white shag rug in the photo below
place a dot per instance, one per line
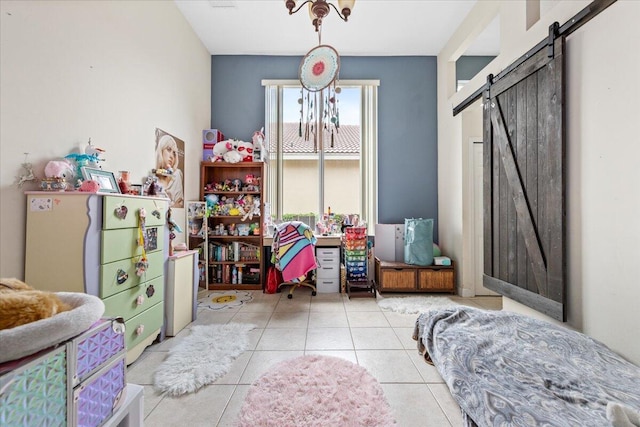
(201, 358)
(414, 305)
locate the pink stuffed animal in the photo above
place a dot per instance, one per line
(58, 169)
(90, 186)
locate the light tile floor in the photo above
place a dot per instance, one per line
(332, 324)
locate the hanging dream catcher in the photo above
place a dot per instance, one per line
(319, 71)
(319, 68)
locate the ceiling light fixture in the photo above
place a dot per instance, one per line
(318, 9)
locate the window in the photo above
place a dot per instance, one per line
(309, 172)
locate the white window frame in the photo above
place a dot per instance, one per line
(369, 149)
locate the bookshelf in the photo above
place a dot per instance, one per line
(233, 194)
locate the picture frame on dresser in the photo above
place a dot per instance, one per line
(107, 180)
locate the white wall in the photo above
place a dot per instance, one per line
(111, 71)
(603, 201)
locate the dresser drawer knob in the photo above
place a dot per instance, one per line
(140, 300)
(121, 276)
(118, 325)
(121, 212)
(150, 291)
(140, 330)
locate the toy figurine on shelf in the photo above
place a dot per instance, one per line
(173, 228)
(28, 174)
(89, 156)
(123, 182)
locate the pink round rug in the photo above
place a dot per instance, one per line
(316, 391)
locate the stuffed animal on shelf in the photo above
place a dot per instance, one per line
(247, 207)
(232, 155)
(59, 169)
(245, 148)
(89, 186)
(258, 145)
(21, 304)
(87, 156)
(220, 149)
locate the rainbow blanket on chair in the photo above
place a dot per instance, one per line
(293, 247)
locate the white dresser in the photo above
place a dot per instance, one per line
(86, 242)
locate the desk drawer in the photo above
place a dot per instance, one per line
(134, 301)
(123, 243)
(328, 271)
(325, 286)
(156, 212)
(328, 253)
(125, 271)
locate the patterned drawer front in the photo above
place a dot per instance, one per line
(36, 394)
(120, 275)
(93, 349)
(123, 243)
(134, 301)
(96, 399)
(116, 206)
(143, 325)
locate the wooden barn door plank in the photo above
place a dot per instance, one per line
(517, 194)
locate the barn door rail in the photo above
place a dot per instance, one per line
(555, 31)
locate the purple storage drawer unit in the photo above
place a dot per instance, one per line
(98, 397)
(34, 391)
(91, 350)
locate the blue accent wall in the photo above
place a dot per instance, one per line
(407, 119)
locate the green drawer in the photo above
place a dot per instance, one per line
(116, 204)
(125, 304)
(123, 243)
(109, 273)
(149, 321)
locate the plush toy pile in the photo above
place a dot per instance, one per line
(21, 304)
(233, 151)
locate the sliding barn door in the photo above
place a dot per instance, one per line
(524, 182)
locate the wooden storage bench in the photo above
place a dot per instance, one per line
(393, 276)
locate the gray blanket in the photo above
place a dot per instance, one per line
(506, 369)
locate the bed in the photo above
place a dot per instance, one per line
(506, 369)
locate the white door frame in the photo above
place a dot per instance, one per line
(472, 221)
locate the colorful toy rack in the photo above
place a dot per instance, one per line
(355, 252)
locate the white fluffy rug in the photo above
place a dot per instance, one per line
(316, 391)
(201, 358)
(414, 305)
